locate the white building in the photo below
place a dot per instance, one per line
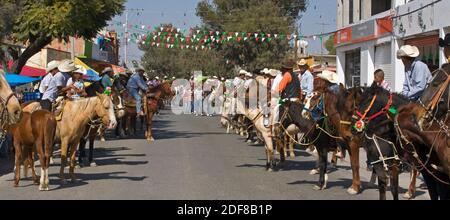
(370, 32)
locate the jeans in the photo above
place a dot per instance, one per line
(46, 104)
(198, 106)
(137, 97)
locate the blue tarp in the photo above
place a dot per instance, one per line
(17, 80)
(92, 76)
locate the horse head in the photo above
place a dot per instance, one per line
(119, 107)
(10, 109)
(105, 110)
(166, 90)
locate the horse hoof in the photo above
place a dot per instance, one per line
(51, 161)
(103, 140)
(314, 172)
(93, 164)
(269, 170)
(292, 156)
(408, 196)
(318, 188)
(150, 139)
(249, 141)
(352, 191)
(277, 153)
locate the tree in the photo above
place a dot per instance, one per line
(252, 16)
(329, 45)
(40, 21)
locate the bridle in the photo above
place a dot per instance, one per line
(4, 116)
(364, 119)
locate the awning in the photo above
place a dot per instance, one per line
(29, 71)
(17, 80)
(95, 67)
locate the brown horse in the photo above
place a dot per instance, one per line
(428, 146)
(151, 105)
(9, 105)
(35, 132)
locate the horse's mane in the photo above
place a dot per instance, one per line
(94, 88)
(381, 92)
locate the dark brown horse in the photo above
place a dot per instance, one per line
(151, 105)
(34, 133)
(428, 147)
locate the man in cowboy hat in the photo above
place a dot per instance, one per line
(240, 79)
(57, 85)
(307, 80)
(51, 70)
(289, 87)
(445, 43)
(248, 80)
(135, 84)
(107, 78)
(417, 74)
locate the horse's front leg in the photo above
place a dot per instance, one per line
(323, 176)
(64, 148)
(394, 181)
(91, 151)
(411, 194)
(355, 188)
(149, 134)
(18, 162)
(73, 161)
(382, 179)
(82, 151)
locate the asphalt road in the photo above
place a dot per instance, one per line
(191, 159)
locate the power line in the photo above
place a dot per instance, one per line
(418, 9)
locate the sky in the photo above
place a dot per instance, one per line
(181, 13)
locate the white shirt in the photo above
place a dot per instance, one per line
(45, 82)
(237, 82)
(276, 82)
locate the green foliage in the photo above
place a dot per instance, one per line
(37, 22)
(329, 45)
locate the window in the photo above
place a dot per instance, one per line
(353, 68)
(379, 6)
(350, 12)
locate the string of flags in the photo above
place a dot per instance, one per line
(171, 35)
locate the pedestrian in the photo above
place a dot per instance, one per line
(379, 80)
(417, 74)
(198, 101)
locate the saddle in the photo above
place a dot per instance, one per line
(128, 100)
(58, 108)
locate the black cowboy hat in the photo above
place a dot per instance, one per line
(445, 42)
(288, 64)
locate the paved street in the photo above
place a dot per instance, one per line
(192, 158)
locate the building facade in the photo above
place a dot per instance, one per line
(370, 32)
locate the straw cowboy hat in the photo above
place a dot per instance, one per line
(408, 51)
(288, 64)
(107, 69)
(80, 69)
(445, 42)
(302, 62)
(329, 76)
(242, 72)
(52, 65)
(66, 66)
(265, 71)
(273, 72)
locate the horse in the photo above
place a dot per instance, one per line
(150, 101)
(428, 146)
(97, 129)
(35, 132)
(77, 114)
(10, 109)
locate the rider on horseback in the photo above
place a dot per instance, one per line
(417, 74)
(135, 84)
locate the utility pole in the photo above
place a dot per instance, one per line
(127, 11)
(321, 37)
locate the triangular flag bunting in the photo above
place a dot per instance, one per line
(276, 35)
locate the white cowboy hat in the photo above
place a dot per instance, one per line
(329, 76)
(302, 62)
(215, 77)
(66, 66)
(242, 72)
(273, 72)
(107, 69)
(265, 71)
(408, 51)
(157, 77)
(52, 65)
(80, 69)
(249, 74)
